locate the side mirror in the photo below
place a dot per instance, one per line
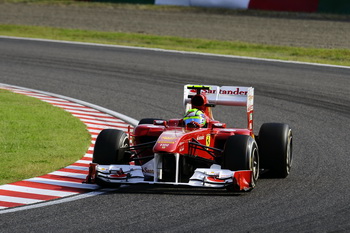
(218, 125)
(160, 122)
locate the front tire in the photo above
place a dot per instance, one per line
(110, 147)
(241, 153)
(275, 144)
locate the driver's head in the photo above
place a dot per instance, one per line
(194, 118)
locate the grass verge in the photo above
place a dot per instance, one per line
(37, 138)
(315, 55)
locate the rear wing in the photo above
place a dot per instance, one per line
(224, 95)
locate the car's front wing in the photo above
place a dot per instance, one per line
(213, 177)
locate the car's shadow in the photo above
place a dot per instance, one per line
(171, 190)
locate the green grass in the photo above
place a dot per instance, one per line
(37, 138)
(316, 55)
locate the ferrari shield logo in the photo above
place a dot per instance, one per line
(207, 140)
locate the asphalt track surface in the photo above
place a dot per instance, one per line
(313, 100)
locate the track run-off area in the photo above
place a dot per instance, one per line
(67, 181)
(140, 83)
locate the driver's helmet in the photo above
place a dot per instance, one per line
(194, 118)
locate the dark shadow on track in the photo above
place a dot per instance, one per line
(171, 190)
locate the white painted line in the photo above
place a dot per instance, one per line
(102, 121)
(63, 103)
(173, 51)
(57, 201)
(100, 127)
(71, 108)
(98, 122)
(78, 168)
(69, 174)
(108, 123)
(83, 161)
(107, 119)
(63, 183)
(50, 98)
(31, 94)
(94, 131)
(26, 189)
(97, 114)
(19, 200)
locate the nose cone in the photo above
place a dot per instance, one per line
(168, 142)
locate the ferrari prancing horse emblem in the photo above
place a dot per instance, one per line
(207, 140)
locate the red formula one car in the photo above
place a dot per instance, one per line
(195, 150)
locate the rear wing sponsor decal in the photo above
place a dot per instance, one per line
(225, 95)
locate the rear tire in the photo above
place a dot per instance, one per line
(110, 147)
(275, 145)
(241, 153)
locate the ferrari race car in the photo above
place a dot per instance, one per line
(196, 150)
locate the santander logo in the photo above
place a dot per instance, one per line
(236, 91)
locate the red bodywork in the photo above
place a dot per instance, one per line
(173, 137)
(191, 148)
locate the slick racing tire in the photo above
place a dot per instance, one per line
(275, 144)
(110, 147)
(241, 153)
(148, 121)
